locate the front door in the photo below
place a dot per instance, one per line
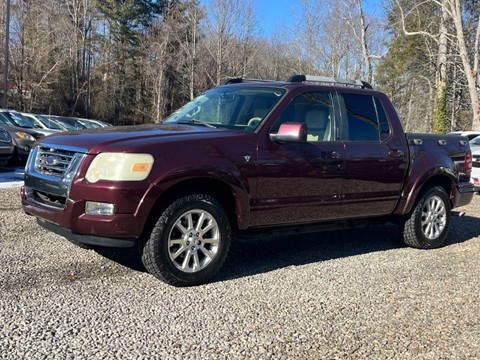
(302, 182)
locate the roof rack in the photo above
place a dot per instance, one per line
(241, 80)
(329, 80)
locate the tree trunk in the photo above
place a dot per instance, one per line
(440, 118)
(363, 41)
(455, 9)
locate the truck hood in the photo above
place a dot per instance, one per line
(95, 141)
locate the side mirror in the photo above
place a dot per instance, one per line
(290, 132)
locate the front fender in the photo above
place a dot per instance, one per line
(201, 174)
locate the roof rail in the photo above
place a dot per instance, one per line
(329, 80)
(241, 80)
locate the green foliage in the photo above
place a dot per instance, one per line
(127, 20)
(128, 17)
(441, 123)
(407, 73)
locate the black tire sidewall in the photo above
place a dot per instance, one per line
(426, 242)
(170, 216)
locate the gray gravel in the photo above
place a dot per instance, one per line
(338, 295)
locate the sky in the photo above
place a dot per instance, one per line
(274, 13)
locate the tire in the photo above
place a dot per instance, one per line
(428, 224)
(189, 242)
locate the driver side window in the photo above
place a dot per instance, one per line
(315, 109)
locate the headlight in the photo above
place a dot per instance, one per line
(119, 167)
(5, 136)
(24, 136)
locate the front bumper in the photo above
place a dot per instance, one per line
(6, 153)
(23, 147)
(71, 222)
(58, 195)
(86, 239)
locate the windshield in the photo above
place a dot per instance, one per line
(70, 124)
(233, 107)
(32, 122)
(475, 141)
(4, 120)
(49, 123)
(17, 120)
(88, 124)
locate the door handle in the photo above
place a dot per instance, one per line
(331, 155)
(396, 154)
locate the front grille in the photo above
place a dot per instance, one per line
(47, 199)
(52, 161)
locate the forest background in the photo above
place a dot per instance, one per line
(136, 61)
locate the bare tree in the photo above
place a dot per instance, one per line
(362, 38)
(452, 10)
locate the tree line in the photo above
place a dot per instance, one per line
(136, 61)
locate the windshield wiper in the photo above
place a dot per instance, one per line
(195, 122)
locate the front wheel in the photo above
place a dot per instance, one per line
(428, 224)
(189, 242)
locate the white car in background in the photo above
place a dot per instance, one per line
(41, 122)
(474, 138)
(469, 134)
(475, 175)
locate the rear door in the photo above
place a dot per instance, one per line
(375, 163)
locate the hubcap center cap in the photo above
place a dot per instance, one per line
(194, 239)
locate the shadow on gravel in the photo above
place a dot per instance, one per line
(253, 256)
(463, 229)
(127, 257)
(250, 256)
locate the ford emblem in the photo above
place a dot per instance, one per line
(51, 160)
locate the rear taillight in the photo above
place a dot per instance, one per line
(467, 164)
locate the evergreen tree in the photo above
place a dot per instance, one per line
(127, 22)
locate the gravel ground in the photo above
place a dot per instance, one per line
(337, 295)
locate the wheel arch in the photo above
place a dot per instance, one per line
(233, 199)
(442, 179)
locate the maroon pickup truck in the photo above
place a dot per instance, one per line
(307, 154)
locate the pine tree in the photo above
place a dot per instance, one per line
(127, 21)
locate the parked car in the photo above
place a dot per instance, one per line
(475, 175)
(101, 124)
(308, 154)
(89, 124)
(41, 122)
(475, 142)
(469, 134)
(6, 147)
(23, 139)
(66, 123)
(17, 119)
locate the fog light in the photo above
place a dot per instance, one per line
(98, 208)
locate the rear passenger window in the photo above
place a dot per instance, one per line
(362, 118)
(366, 118)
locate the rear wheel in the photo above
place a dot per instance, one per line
(189, 242)
(428, 224)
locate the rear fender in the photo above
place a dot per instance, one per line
(433, 176)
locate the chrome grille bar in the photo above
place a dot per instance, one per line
(53, 162)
